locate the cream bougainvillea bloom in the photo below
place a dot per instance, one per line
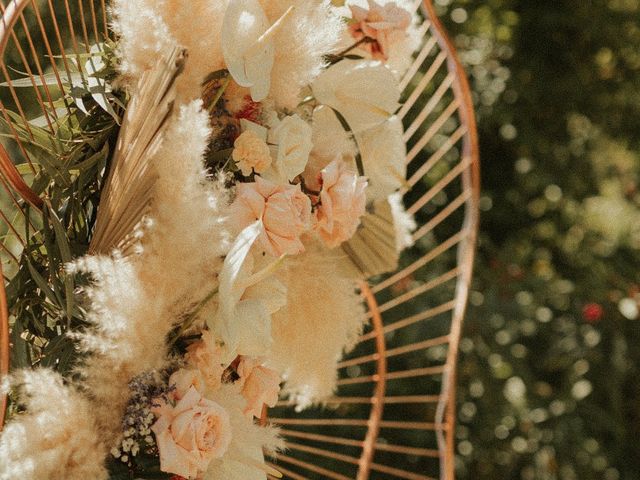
(366, 93)
(385, 25)
(343, 202)
(191, 434)
(285, 213)
(292, 135)
(248, 45)
(260, 386)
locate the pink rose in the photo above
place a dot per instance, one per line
(191, 434)
(260, 386)
(343, 202)
(206, 355)
(284, 210)
(384, 24)
(182, 380)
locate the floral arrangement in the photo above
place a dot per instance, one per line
(254, 184)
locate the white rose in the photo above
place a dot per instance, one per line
(366, 93)
(292, 136)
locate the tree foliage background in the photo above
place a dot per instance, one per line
(548, 375)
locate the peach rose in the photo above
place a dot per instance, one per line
(251, 153)
(207, 356)
(384, 24)
(191, 434)
(343, 202)
(285, 213)
(260, 386)
(182, 380)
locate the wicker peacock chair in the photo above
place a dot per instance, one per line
(394, 413)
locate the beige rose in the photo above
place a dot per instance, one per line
(343, 202)
(260, 386)
(251, 153)
(191, 434)
(285, 213)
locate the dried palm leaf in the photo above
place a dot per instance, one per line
(127, 194)
(374, 249)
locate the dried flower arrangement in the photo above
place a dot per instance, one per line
(226, 179)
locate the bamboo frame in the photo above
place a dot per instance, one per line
(452, 94)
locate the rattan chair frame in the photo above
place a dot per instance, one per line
(467, 171)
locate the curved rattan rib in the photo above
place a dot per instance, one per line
(368, 449)
(446, 413)
(9, 19)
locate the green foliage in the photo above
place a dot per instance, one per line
(68, 167)
(548, 373)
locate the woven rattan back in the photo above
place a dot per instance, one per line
(394, 413)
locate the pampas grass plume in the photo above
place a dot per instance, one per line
(56, 437)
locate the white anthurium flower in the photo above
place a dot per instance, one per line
(292, 136)
(384, 156)
(330, 139)
(248, 47)
(365, 92)
(243, 321)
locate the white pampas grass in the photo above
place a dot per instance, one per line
(403, 222)
(143, 35)
(56, 438)
(196, 25)
(148, 29)
(323, 318)
(312, 31)
(135, 301)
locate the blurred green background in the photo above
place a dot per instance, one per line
(548, 385)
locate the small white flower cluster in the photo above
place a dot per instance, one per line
(130, 445)
(138, 419)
